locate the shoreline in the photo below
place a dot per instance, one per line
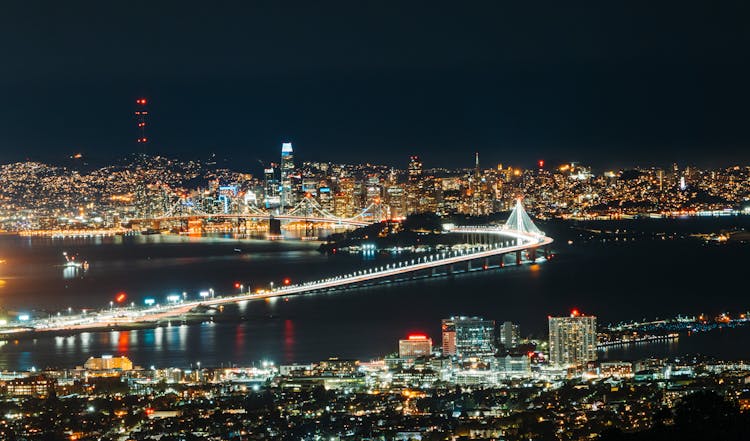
(194, 318)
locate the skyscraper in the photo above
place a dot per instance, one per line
(572, 340)
(468, 336)
(509, 335)
(272, 199)
(448, 328)
(414, 185)
(287, 170)
(415, 169)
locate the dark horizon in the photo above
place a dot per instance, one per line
(612, 86)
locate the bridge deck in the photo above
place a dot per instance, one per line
(108, 318)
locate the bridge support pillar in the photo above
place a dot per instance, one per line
(468, 266)
(433, 271)
(532, 254)
(546, 252)
(450, 269)
(274, 227)
(487, 262)
(518, 257)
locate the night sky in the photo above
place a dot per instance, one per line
(612, 84)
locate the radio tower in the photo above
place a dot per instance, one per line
(141, 193)
(141, 113)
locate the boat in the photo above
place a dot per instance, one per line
(71, 262)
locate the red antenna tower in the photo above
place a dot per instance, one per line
(141, 113)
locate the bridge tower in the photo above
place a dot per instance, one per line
(519, 220)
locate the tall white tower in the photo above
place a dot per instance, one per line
(287, 170)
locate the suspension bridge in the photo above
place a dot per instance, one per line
(518, 238)
(307, 210)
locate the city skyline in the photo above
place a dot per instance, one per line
(348, 221)
(632, 85)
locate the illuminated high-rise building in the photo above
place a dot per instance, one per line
(396, 200)
(416, 345)
(572, 340)
(509, 334)
(287, 170)
(414, 185)
(325, 198)
(345, 198)
(448, 328)
(415, 169)
(271, 185)
(475, 336)
(468, 336)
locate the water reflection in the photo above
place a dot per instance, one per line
(288, 340)
(309, 328)
(158, 337)
(85, 341)
(70, 272)
(183, 333)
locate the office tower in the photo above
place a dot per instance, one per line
(475, 336)
(325, 198)
(509, 335)
(661, 180)
(415, 345)
(468, 336)
(345, 199)
(415, 169)
(272, 199)
(310, 186)
(414, 185)
(448, 328)
(396, 200)
(572, 340)
(287, 170)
